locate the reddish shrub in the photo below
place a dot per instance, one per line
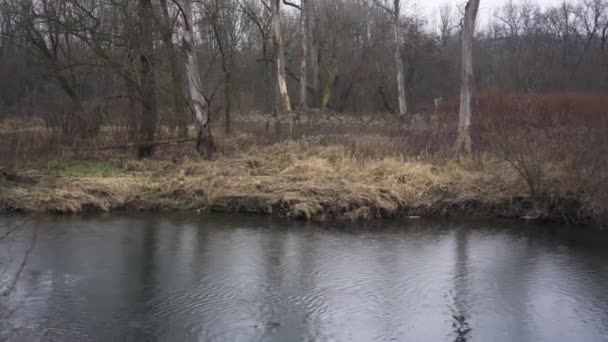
(545, 110)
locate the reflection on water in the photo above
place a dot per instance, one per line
(460, 299)
(142, 277)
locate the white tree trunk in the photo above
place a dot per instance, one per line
(398, 60)
(196, 100)
(279, 56)
(305, 17)
(463, 144)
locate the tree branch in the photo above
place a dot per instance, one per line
(289, 3)
(181, 10)
(266, 5)
(383, 6)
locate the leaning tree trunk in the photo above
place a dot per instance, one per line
(204, 140)
(304, 61)
(147, 130)
(279, 57)
(463, 144)
(398, 60)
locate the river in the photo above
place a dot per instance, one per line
(153, 277)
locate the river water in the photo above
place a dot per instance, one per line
(198, 278)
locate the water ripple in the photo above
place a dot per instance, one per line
(187, 282)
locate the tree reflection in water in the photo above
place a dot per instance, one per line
(460, 302)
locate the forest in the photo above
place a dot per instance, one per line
(312, 109)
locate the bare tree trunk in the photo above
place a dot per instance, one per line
(463, 144)
(279, 56)
(176, 75)
(304, 18)
(314, 55)
(148, 83)
(398, 60)
(227, 99)
(273, 97)
(133, 118)
(395, 12)
(204, 140)
(222, 27)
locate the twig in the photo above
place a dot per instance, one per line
(117, 147)
(383, 6)
(23, 263)
(289, 3)
(16, 228)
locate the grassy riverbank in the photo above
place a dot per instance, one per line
(304, 180)
(352, 171)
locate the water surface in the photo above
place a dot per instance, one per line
(199, 278)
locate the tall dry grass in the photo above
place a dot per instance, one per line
(526, 163)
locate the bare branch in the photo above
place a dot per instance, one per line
(383, 6)
(266, 5)
(181, 10)
(289, 3)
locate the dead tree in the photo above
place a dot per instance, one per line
(305, 48)
(196, 101)
(279, 56)
(395, 13)
(463, 144)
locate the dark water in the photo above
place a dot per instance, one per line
(143, 278)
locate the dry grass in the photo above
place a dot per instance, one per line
(303, 180)
(334, 167)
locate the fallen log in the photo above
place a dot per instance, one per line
(128, 145)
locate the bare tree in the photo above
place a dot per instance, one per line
(305, 31)
(224, 22)
(148, 81)
(196, 101)
(66, 57)
(463, 144)
(262, 26)
(279, 56)
(395, 12)
(175, 69)
(589, 14)
(314, 52)
(446, 24)
(51, 44)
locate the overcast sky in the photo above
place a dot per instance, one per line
(485, 5)
(430, 8)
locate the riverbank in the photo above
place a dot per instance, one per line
(306, 179)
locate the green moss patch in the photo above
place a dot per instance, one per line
(92, 168)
